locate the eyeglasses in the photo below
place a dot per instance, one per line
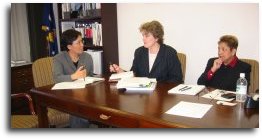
(78, 42)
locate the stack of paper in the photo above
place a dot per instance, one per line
(217, 95)
(77, 84)
(149, 87)
(118, 76)
(137, 83)
(187, 89)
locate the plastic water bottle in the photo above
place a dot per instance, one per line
(241, 90)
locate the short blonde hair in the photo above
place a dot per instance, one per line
(155, 28)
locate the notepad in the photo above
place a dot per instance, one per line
(189, 109)
(186, 89)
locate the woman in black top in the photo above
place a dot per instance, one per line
(223, 71)
(154, 59)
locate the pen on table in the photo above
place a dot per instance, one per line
(183, 88)
(212, 98)
(186, 89)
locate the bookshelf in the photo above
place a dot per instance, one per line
(105, 18)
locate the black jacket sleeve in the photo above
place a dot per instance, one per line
(202, 80)
(135, 62)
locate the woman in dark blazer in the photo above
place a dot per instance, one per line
(222, 72)
(154, 59)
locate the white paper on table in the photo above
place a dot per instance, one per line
(189, 109)
(216, 94)
(69, 85)
(118, 76)
(194, 89)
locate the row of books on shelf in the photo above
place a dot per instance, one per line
(91, 33)
(67, 7)
(75, 10)
(97, 61)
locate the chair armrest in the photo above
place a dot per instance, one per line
(28, 97)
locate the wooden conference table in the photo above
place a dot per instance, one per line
(101, 101)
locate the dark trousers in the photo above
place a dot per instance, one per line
(77, 122)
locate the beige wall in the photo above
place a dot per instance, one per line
(193, 29)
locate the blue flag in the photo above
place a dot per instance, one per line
(48, 26)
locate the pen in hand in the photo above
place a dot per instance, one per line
(83, 69)
(111, 64)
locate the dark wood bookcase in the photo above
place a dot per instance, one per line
(108, 19)
(21, 82)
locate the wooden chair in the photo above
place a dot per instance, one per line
(24, 121)
(43, 75)
(254, 75)
(182, 59)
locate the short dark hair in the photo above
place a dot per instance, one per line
(68, 37)
(230, 40)
(155, 28)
